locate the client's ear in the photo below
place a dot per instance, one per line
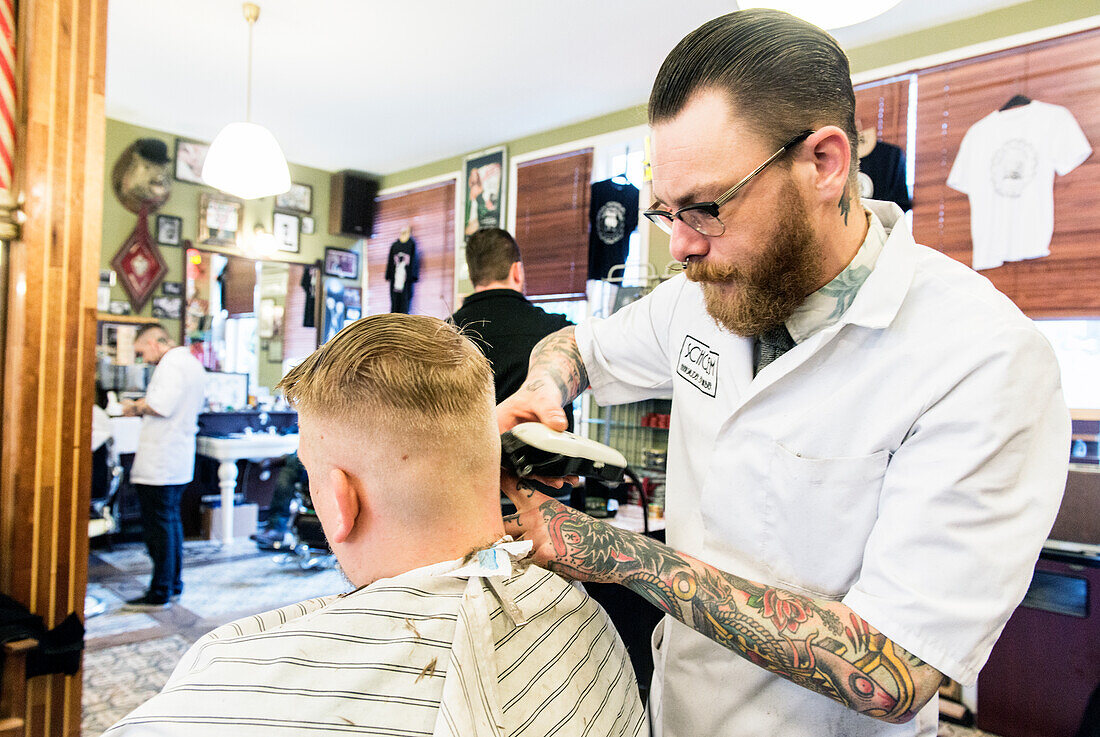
(345, 505)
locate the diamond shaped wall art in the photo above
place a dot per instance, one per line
(139, 264)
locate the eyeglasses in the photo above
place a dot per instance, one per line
(703, 216)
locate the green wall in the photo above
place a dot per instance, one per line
(118, 222)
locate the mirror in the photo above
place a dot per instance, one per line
(248, 316)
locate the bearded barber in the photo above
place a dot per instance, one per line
(868, 442)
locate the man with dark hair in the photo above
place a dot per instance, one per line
(164, 463)
(497, 317)
(868, 443)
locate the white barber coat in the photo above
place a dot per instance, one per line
(166, 447)
(908, 460)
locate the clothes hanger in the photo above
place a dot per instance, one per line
(1016, 101)
(621, 178)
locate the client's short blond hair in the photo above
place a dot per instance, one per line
(399, 375)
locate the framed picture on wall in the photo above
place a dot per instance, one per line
(484, 181)
(286, 228)
(219, 220)
(298, 198)
(308, 226)
(341, 263)
(168, 230)
(190, 156)
(167, 308)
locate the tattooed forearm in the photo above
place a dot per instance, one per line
(819, 644)
(557, 360)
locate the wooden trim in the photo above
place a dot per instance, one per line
(49, 342)
(131, 319)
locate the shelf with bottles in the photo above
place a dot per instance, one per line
(632, 429)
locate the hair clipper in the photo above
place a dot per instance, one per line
(533, 449)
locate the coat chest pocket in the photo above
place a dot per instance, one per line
(819, 513)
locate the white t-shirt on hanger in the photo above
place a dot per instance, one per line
(1006, 165)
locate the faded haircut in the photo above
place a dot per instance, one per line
(406, 375)
(490, 253)
(781, 74)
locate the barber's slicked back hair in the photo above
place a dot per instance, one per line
(781, 74)
(398, 374)
(490, 253)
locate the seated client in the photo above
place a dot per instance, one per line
(448, 632)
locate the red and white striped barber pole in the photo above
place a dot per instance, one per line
(7, 92)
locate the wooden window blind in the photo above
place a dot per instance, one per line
(952, 98)
(551, 228)
(298, 340)
(238, 282)
(430, 213)
(884, 105)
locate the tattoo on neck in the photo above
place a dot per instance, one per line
(845, 206)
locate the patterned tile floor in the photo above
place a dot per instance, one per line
(129, 656)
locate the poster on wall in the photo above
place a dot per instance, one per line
(484, 178)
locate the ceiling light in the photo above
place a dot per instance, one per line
(245, 159)
(835, 14)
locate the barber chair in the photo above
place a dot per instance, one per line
(103, 521)
(306, 547)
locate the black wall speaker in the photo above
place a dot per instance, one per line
(351, 204)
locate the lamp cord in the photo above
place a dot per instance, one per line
(248, 98)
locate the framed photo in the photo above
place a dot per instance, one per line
(190, 156)
(168, 230)
(308, 225)
(226, 390)
(219, 220)
(172, 288)
(286, 228)
(298, 198)
(167, 308)
(341, 263)
(484, 182)
(119, 307)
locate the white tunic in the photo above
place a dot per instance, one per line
(908, 459)
(166, 448)
(429, 652)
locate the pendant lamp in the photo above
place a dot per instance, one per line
(832, 14)
(245, 159)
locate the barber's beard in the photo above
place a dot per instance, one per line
(747, 300)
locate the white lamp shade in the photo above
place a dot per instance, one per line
(245, 161)
(831, 14)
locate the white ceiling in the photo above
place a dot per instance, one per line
(385, 86)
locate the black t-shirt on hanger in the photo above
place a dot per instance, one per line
(613, 216)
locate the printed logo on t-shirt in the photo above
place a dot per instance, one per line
(1013, 167)
(699, 365)
(611, 222)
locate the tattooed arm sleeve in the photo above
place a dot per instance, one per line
(821, 645)
(555, 376)
(556, 360)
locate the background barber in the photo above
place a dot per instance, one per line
(164, 463)
(868, 442)
(497, 317)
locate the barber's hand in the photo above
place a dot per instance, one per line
(129, 408)
(566, 541)
(534, 402)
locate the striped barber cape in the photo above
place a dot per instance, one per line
(447, 650)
